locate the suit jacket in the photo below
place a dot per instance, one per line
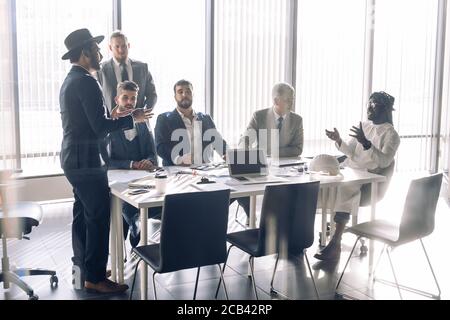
(168, 122)
(117, 147)
(84, 120)
(147, 93)
(291, 134)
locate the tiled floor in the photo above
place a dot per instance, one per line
(50, 247)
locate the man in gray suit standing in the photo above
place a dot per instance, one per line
(278, 119)
(121, 68)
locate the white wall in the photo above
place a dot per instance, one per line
(44, 189)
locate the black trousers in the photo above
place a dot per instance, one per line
(130, 218)
(244, 202)
(91, 221)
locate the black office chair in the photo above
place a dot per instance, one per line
(193, 235)
(16, 221)
(286, 227)
(417, 222)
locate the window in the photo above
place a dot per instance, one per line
(404, 66)
(256, 44)
(445, 120)
(170, 37)
(42, 26)
(251, 54)
(7, 127)
(330, 69)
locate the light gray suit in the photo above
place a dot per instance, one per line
(291, 133)
(147, 93)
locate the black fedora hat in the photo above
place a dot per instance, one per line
(77, 39)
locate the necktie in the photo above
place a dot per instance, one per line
(280, 123)
(124, 72)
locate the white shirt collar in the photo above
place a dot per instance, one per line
(277, 115)
(183, 116)
(117, 63)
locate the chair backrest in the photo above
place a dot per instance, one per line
(420, 208)
(18, 219)
(287, 218)
(366, 189)
(194, 230)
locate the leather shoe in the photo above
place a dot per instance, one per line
(105, 286)
(331, 252)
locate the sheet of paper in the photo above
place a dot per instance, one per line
(211, 186)
(115, 176)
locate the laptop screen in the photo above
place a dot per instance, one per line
(246, 162)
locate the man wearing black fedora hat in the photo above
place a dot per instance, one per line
(85, 126)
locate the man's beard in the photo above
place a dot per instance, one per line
(185, 104)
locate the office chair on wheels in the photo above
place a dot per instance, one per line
(16, 221)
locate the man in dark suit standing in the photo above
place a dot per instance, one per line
(185, 137)
(121, 68)
(131, 149)
(85, 126)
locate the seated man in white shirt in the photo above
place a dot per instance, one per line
(279, 118)
(185, 137)
(373, 145)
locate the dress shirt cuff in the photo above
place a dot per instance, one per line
(131, 164)
(178, 160)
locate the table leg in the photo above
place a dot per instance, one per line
(113, 237)
(373, 200)
(120, 243)
(332, 197)
(143, 268)
(324, 201)
(252, 222)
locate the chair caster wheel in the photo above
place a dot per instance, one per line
(33, 297)
(54, 281)
(363, 250)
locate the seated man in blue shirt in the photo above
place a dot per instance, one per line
(131, 149)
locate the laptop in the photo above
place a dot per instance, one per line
(288, 162)
(250, 167)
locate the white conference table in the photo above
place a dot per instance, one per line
(185, 182)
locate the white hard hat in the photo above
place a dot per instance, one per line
(325, 163)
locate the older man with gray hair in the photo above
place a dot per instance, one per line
(278, 121)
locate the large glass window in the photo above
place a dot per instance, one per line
(251, 48)
(7, 127)
(170, 37)
(42, 26)
(404, 66)
(444, 163)
(330, 69)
